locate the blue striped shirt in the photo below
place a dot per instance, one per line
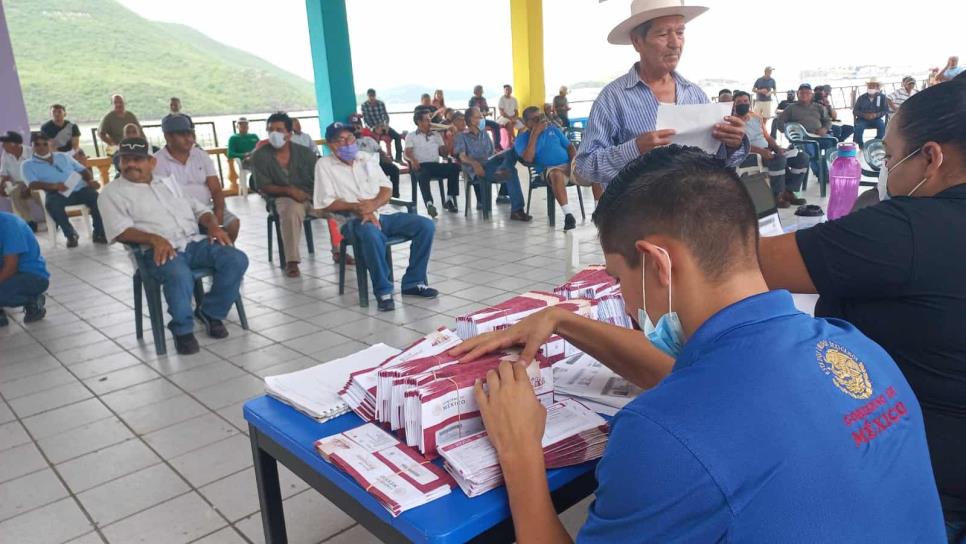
(625, 109)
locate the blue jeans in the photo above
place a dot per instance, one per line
(21, 289)
(842, 132)
(956, 532)
(496, 170)
(862, 124)
(372, 243)
(494, 129)
(815, 153)
(57, 203)
(177, 281)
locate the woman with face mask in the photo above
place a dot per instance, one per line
(896, 271)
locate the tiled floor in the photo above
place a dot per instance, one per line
(101, 440)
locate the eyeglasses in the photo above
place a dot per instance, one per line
(345, 140)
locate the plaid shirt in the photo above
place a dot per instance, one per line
(374, 114)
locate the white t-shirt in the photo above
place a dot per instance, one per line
(11, 165)
(509, 105)
(192, 175)
(336, 180)
(425, 146)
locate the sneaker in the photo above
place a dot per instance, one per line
(3, 319)
(431, 210)
(502, 199)
(570, 222)
(214, 327)
(386, 303)
(450, 206)
(72, 240)
(421, 290)
(36, 310)
(520, 215)
(99, 239)
(186, 344)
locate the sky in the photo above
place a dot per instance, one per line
(458, 43)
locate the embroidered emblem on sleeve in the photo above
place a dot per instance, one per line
(848, 374)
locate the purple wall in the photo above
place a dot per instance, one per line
(13, 113)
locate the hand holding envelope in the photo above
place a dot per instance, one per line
(701, 125)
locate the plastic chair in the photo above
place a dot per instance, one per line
(362, 270)
(538, 180)
(414, 183)
(52, 227)
(486, 195)
(874, 155)
(272, 221)
(803, 140)
(152, 293)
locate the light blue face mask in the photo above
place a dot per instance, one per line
(668, 335)
(482, 124)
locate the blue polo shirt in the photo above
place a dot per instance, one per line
(773, 426)
(16, 238)
(56, 171)
(551, 148)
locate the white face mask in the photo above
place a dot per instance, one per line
(277, 139)
(884, 178)
(45, 156)
(873, 92)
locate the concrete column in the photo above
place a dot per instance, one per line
(526, 23)
(332, 60)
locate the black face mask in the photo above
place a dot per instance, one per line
(742, 109)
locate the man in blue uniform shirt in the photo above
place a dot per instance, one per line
(762, 424)
(23, 272)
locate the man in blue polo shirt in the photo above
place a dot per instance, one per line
(762, 424)
(547, 148)
(23, 272)
(67, 183)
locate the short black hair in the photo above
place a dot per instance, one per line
(425, 95)
(684, 193)
(738, 94)
(279, 116)
(419, 116)
(527, 111)
(938, 114)
(724, 91)
(371, 92)
(508, 86)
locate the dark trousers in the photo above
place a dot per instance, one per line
(494, 129)
(862, 124)
(397, 142)
(842, 132)
(787, 174)
(21, 289)
(57, 204)
(565, 121)
(432, 170)
(392, 172)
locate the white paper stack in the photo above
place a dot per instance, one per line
(359, 393)
(315, 391)
(610, 309)
(584, 378)
(591, 283)
(504, 314)
(574, 434)
(398, 477)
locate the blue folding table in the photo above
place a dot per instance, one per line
(279, 433)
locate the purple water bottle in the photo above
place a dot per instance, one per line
(844, 180)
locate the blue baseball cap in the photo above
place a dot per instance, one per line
(335, 129)
(176, 122)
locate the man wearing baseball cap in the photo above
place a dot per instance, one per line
(193, 169)
(67, 183)
(241, 145)
(12, 184)
(356, 188)
(623, 118)
(764, 89)
(143, 208)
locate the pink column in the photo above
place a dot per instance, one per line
(13, 113)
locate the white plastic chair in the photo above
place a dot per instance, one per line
(52, 227)
(243, 175)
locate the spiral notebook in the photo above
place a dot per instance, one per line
(314, 391)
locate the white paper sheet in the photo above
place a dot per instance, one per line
(693, 123)
(72, 181)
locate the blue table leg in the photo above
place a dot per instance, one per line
(269, 492)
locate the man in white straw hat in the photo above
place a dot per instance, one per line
(623, 118)
(870, 111)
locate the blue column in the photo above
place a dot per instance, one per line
(13, 112)
(332, 60)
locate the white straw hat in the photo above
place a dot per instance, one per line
(643, 11)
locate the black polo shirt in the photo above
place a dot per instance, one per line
(897, 271)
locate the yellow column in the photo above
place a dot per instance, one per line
(526, 26)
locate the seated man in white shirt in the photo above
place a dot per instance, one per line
(193, 169)
(140, 207)
(349, 185)
(12, 184)
(424, 148)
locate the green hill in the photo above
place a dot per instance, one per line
(80, 53)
